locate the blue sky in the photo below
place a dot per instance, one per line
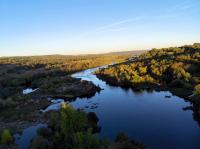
(38, 27)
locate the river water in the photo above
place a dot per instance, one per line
(148, 117)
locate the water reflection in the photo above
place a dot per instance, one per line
(147, 116)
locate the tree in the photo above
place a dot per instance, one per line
(6, 137)
(197, 89)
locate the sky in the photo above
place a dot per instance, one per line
(43, 27)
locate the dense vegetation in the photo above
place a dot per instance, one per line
(52, 76)
(44, 72)
(66, 63)
(73, 129)
(159, 67)
(176, 69)
(6, 137)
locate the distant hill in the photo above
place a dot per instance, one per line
(134, 52)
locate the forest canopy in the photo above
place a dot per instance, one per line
(177, 67)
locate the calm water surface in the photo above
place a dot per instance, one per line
(23, 140)
(148, 117)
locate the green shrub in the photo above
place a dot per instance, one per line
(70, 129)
(73, 129)
(6, 137)
(197, 89)
(70, 117)
(86, 140)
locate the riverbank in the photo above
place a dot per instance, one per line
(64, 131)
(174, 69)
(141, 114)
(27, 82)
(132, 110)
(127, 108)
(27, 111)
(185, 93)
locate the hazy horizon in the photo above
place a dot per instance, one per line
(91, 27)
(103, 52)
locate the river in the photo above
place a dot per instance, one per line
(148, 117)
